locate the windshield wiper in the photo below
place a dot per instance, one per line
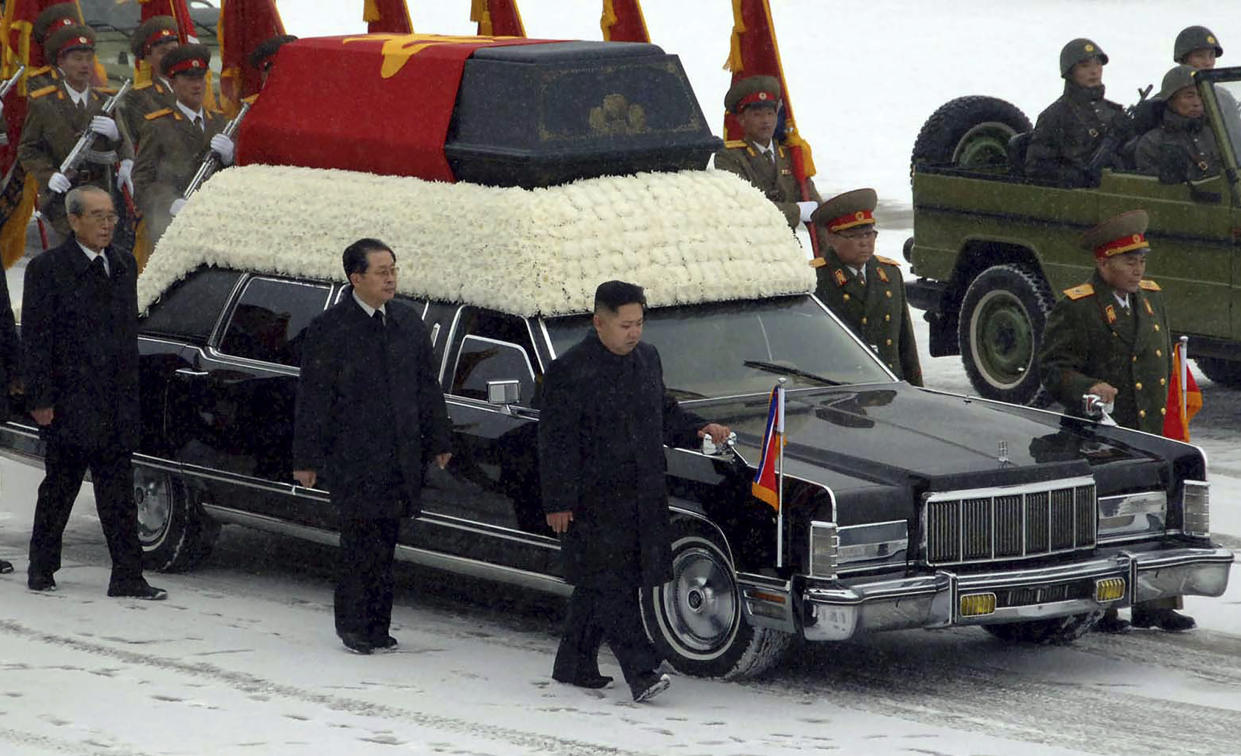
(772, 367)
(685, 393)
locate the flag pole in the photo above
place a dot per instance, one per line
(1184, 397)
(780, 473)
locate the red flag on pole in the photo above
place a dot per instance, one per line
(1184, 398)
(623, 21)
(766, 485)
(244, 25)
(497, 18)
(386, 17)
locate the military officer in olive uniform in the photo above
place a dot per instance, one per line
(177, 139)
(865, 291)
(1080, 133)
(51, 19)
(58, 115)
(151, 41)
(1109, 337)
(759, 158)
(1183, 145)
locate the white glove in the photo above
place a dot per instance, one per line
(125, 175)
(59, 183)
(105, 127)
(177, 204)
(807, 210)
(223, 146)
(1, 108)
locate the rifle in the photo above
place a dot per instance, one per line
(211, 162)
(11, 82)
(87, 140)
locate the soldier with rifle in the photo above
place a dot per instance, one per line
(178, 139)
(71, 118)
(50, 20)
(155, 38)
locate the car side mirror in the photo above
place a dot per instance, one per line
(503, 392)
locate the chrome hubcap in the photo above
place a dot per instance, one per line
(154, 505)
(701, 600)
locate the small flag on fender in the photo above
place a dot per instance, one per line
(1184, 398)
(766, 485)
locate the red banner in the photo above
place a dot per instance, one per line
(244, 25)
(386, 17)
(175, 8)
(497, 18)
(622, 21)
(402, 87)
(1184, 398)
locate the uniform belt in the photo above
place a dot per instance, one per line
(102, 158)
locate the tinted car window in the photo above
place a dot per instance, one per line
(705, 348)
(482, 359)
(270, 319)
(190, 308)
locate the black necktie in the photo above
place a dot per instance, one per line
(98, 268)
(378, 317)
(198, 121)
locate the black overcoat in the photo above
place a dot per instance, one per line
(10, 355)
(370, 410)
(603, 422)
(80, 347)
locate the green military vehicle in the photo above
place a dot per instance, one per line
(992, 248)
(114, 22)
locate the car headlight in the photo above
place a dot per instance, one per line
(1196, 509)
(874, 543)
(1136, 514)
(824, 545)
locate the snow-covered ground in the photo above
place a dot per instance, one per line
(242, 658)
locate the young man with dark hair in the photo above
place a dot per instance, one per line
(603, 424)
(369, 412)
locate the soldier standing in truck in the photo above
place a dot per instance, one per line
(1110, 338)
(1198, 46)
(1080, 133)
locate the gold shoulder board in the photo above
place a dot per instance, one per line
(887, 260)
(44, 91)
(158, 114)
(1149, 285)
(38, 71)
(818, 262)
(735, 144)
(1079, 292)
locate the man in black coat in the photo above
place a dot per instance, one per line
(604, 420)
(80, 326)
(370, 412)
(8, 367)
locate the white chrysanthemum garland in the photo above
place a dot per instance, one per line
(686, 237)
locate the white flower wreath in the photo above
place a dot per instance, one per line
(686, 237)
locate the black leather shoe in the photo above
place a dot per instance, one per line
(356, 643)
(1167, 620)
(5, 567)
(141, 590)
(383, 642)
(1111, 623)
(648, 685)
(39, 582)
(593, 682)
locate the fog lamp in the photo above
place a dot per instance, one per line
(1109, 589)
(977, 604)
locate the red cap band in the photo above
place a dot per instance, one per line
(189, 64)
(764, 97)
(860, 218)
(1120, 246)
(163, 35)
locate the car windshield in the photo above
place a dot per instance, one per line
(1228, 95)
(734, 348)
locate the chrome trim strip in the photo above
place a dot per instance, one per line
(487, 340)
(993, 491)
(484, 528)
(452, 332)
(217, 330)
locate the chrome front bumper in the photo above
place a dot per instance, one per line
(844, 609)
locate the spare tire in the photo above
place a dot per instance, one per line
(970, 132)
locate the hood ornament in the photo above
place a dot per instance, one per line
(1002, 454)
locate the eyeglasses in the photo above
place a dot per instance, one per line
(99, 216)
(869, 233)
(384, 272)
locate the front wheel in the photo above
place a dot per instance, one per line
(695, 620)
(1001, 324)
(1055, 631)
(174, 532)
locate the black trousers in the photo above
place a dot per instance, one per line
(596, 615)
(113, 476)
(364, 584)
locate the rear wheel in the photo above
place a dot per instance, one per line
(971, 132)
(695, 620)
(174, 532)
(1056, 631)
(1001, 324)
(1224, 372)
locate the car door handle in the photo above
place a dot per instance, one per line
(191, 373)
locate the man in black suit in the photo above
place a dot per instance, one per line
(80, 326)
(8, 367)
(370, 412)
(604, 419)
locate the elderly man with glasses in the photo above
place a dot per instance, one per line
(864, 290)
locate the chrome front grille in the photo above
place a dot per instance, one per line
(1011, 522)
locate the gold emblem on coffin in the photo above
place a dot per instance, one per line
(399, 48)
(616, 116)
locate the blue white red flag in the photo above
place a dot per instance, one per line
(766, 485)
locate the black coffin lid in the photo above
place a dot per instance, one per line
(546, 114)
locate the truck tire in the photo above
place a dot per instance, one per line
(696, 620)
(1057, 631)
(176, 535)
(1000, 329)
(971, 132)
(1224, 372)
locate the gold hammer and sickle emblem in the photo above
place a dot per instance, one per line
(399, 48)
